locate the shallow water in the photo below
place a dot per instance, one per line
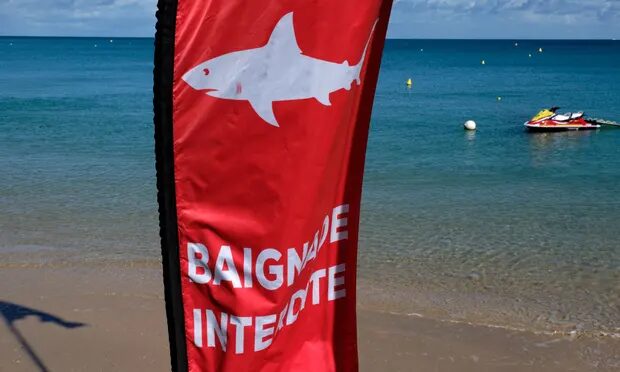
(498, 226)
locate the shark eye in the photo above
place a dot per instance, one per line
(206, 71)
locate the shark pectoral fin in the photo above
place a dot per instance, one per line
(264, 109)
(324, 99)
(283, 38)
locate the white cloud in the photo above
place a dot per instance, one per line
(78, 17)
(410, 18)
(506, 18)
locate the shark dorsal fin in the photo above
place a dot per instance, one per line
(283, 36)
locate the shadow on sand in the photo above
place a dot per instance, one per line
(12, 312)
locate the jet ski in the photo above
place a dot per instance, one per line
(548, 120)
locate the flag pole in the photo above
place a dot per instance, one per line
(164, 163)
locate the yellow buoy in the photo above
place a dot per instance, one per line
(409, 83)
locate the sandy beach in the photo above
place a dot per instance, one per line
(109, 315)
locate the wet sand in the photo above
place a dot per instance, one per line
(109, 316)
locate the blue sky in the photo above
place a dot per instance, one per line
(513, 19)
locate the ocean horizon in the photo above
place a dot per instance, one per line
(498, 227)
(388, 38)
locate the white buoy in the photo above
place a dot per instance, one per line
(470, 125)
(483, 62)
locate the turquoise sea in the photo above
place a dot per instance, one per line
(497, 226)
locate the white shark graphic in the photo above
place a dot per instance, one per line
(277, 71)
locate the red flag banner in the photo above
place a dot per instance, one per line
(262, 111)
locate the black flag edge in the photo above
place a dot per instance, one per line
(164, 163)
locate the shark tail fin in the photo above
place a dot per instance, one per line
(360, 64)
